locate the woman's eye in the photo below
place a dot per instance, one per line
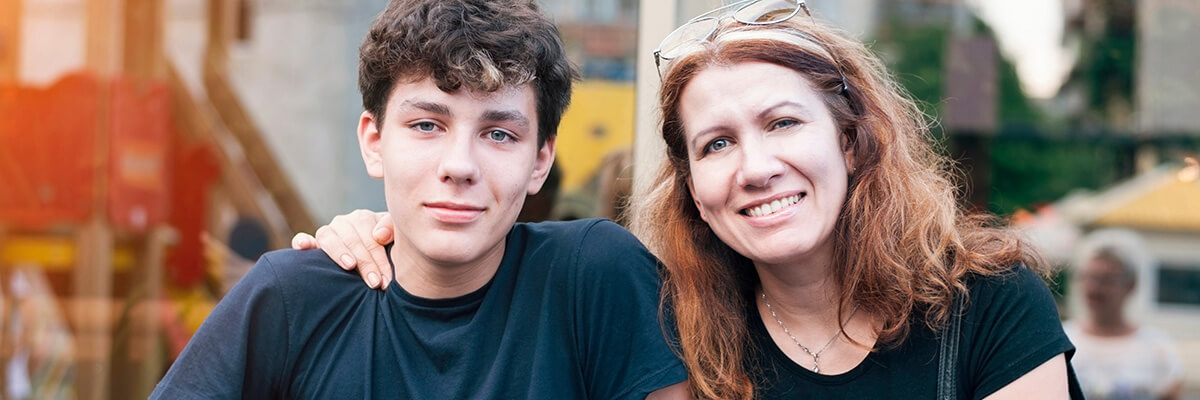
(499, 136)
(716, 145)
(425, 126)
(783, 123)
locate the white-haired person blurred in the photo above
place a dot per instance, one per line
(1117, 358)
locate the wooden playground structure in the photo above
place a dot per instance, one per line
(113, 177)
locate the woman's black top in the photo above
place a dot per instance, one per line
(1011, 326)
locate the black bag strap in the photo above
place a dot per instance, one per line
(948, 354)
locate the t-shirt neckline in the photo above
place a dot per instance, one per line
(762, 340)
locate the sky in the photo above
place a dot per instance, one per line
(1030, 34)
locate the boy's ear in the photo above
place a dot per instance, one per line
(541, 166)
(369, 142)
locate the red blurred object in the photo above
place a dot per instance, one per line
(140, 143)
(47, 157)
(195, 170)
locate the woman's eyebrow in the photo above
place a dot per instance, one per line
(786, 103)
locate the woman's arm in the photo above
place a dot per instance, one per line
(1047, 381)
(355, 240)
(678, 391)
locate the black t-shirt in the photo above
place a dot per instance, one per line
(1011, 326)
(572, 313)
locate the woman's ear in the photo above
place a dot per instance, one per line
(849, 155)
(692, 194)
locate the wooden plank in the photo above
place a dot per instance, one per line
(10, 39)
(93, 283)
(103, 40)
(222, 27)
(256, 152)
(92, 278)
(143, 34)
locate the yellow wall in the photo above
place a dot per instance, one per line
(596, 106)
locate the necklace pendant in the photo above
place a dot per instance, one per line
(816, 368)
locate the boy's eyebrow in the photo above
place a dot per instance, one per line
(513, 116)
(435, 108)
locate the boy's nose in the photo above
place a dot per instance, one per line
(458, 163)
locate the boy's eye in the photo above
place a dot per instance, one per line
(425, 126)
(716, 145)
(499, 136)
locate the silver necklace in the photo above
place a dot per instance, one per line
(816, 356)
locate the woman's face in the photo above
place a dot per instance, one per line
(768, 169)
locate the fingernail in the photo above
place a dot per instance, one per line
(373, 279)
(380, 233)
(347, 261)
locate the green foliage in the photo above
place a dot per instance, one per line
(1027, 171)
(916, 55)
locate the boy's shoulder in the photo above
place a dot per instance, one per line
(301, 271)
(299, 262)
(590, 232)
(594, 248)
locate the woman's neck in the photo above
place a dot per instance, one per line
(800, 307)
(802, 290)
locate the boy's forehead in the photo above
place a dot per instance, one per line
(426, 89)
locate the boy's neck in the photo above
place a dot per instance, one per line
(428, 279)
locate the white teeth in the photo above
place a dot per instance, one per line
(772, 207)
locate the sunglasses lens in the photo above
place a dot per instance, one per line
(687, 38)
(767, 11)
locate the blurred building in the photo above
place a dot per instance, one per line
(1168, 78)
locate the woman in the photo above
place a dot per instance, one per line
(811, 238)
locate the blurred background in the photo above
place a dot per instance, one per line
(151, 150)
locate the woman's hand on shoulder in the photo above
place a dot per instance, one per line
(355, 240)
(1047, 381)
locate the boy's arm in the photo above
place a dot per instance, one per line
(240, 349)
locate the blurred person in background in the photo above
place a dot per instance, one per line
(1116, 358)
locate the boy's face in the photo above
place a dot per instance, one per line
(456, 168)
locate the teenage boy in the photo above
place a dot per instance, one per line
(462, 101)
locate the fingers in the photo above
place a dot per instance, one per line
(349, 241)
(303, 241)
(331, 243)
(383, 228)
(383, 234)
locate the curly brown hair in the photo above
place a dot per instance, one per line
(482, 45)
(902, 244)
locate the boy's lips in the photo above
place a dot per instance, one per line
(454, 213)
